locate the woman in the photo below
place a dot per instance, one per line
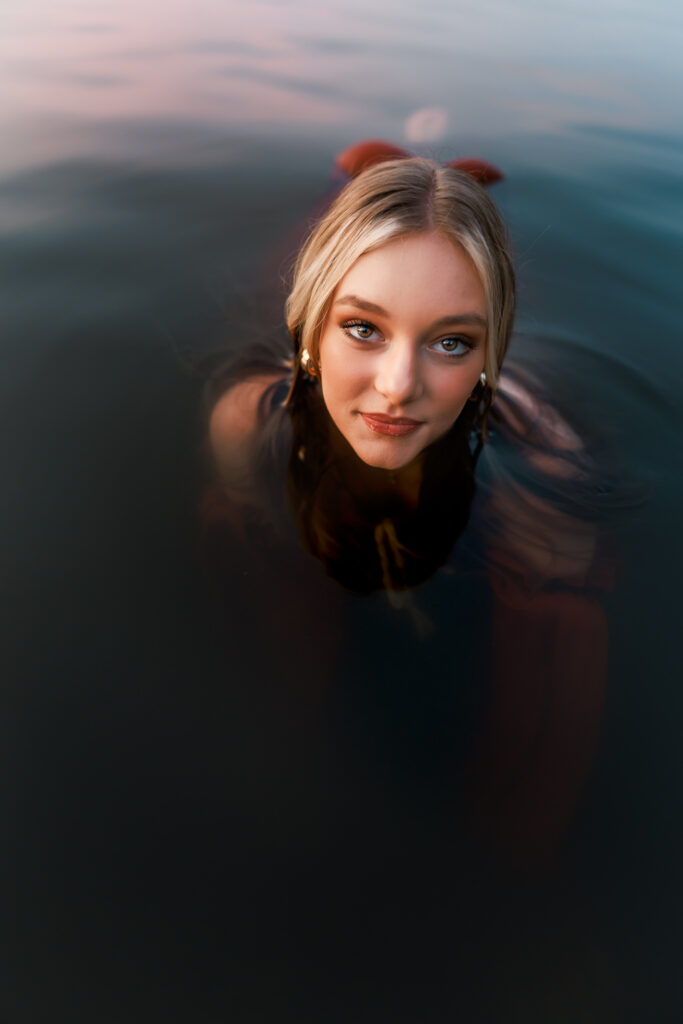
(400, 314)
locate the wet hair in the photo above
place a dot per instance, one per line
(393, 200)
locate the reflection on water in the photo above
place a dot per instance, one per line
(264, 816)
(340, 73)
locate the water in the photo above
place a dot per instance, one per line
(202, 828)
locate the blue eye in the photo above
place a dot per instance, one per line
(360, 330)
(453, 346)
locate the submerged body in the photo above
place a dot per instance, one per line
(367, 450)
(513, 613)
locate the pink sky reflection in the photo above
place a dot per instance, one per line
(491, 67)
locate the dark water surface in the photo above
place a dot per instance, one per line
(244, 818)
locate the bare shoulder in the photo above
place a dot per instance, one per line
(537, 534)
(235, 416)
(535, 418)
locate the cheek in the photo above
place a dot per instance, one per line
(452, 396)
(342, 373)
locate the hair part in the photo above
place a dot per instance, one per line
(393, 200)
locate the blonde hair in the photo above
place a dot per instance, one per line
(392, 200)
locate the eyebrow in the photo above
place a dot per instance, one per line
(475, 319)
(355, 300)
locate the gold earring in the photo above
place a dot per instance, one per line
(308, 364)
(479, 387)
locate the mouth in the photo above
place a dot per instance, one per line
(390, 426)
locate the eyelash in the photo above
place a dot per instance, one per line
(460, 340)
(347, 326)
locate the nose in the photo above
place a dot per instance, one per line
(397, 377)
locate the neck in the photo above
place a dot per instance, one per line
(403, 482)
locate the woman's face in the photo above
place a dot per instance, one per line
(402, 347)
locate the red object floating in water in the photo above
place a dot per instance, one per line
(485, 174)
(366, 154)
(369, 152)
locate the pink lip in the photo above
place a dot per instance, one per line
(391, 426)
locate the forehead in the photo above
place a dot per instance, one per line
(426, 269)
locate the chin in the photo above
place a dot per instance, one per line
(391, 461)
